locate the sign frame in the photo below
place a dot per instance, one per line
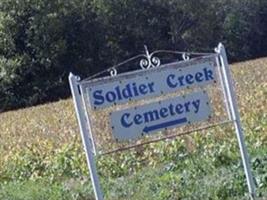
(231, 106)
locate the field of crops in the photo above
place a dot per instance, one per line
(41, 155)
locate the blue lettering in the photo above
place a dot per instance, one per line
(169, 81)
(163, 112)
(208, 74)
(199, 77)
(138, 119)
(99, 99)
(151, 116)
(110, 96)
(143, 89)
(151, 85)
(118, 92)
(127, 92)
(135, 89)
(179, 108)
(180, 78)
(186, 105)
(124, 122)
(189, 79)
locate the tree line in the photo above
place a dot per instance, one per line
(41, 41)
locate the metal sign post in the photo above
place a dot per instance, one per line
(87, 141)
(180, 99)
(236, 118)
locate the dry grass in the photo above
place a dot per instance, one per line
(55, 123)
(31, 140)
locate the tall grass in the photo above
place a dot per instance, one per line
(41, 156)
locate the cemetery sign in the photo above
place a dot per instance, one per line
(131, 121)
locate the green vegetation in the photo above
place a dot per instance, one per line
(41, 155)
(43, 40)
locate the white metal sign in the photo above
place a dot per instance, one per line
(133, 122)
(157, 81)
(138, 121)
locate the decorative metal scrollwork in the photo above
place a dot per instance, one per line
(149, 60)
(185, 56)
(113, 71)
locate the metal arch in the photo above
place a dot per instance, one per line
(150, 60)
(147, 61)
